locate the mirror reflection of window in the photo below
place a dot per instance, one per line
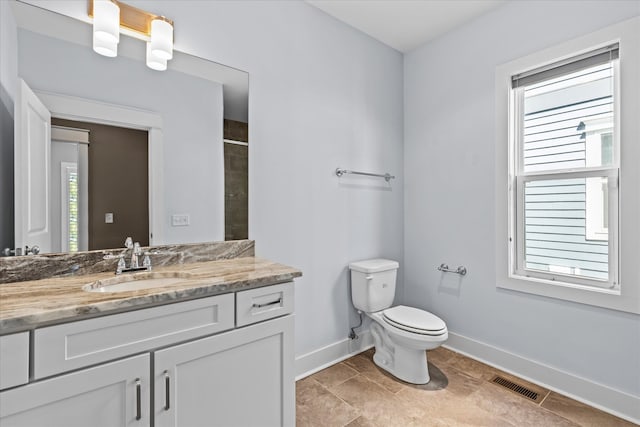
(69, 212)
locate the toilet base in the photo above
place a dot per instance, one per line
(404, 363)
(413, 369)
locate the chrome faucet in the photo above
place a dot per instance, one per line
(134, 264)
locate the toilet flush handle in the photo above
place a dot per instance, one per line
(369, 278)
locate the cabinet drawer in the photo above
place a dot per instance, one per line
(14, 360)
(73, 345)
(256, 305)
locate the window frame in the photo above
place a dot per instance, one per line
(518, 178)
(626, 297)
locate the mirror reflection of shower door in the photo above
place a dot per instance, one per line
(69, 208)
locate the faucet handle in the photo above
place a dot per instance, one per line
(146, 261)
(128, 243)
(121, 265)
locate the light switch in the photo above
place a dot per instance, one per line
(108, 218)
(180, 220)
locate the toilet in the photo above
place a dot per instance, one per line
(401, 334)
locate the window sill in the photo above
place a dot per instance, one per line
(614, 299)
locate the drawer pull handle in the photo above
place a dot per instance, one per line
(138, 399)
(266, 304)
(166, 390)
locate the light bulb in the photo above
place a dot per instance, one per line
(154, 62)
(106, 21)
(105, 48)
(161, 39)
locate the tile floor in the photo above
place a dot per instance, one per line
(358, 393)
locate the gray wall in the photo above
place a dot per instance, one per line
(322, 95)
(449, 168)
(191, 110)
(8, 87)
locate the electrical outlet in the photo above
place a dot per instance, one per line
(180, 220)
(108, 218)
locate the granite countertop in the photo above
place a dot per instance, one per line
(30, 304)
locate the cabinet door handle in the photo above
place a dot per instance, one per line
(138, 399)
(166, 390)
(266, 304)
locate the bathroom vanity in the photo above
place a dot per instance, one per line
(212, 348)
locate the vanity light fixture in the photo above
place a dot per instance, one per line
(110, 15)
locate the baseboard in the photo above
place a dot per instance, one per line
(600, 396)
(324, 357)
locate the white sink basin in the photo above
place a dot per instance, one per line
(136, 281)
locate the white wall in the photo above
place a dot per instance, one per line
(449, 197)
(321, 95)
(8, 87)
(192, 137)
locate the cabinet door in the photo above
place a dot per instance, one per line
(14, 360)
(109, 395)
(239, 378)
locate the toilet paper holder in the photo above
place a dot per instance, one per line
(461, 270)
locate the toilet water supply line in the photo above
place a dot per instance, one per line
(352, 334)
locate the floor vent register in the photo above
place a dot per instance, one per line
(517, 388)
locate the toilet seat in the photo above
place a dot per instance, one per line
(414, 320)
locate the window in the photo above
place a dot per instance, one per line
(567, 182)
(564, 171)
(69, 207)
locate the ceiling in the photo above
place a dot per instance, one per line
(405, 24)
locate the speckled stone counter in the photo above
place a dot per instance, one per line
(30, 304)
(21, 268)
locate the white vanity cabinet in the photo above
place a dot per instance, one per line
(109, 395)
(237, 378)
(225, 360)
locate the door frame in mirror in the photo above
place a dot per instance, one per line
(87, 110)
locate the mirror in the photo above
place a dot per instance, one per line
(188, 112)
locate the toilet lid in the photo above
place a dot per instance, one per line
(414, 320)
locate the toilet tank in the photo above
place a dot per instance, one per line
(373, 284)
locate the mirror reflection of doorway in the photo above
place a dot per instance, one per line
(117, 188)
(69, 189)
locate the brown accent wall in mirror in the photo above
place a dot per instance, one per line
(118, 183)
(236, 183)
